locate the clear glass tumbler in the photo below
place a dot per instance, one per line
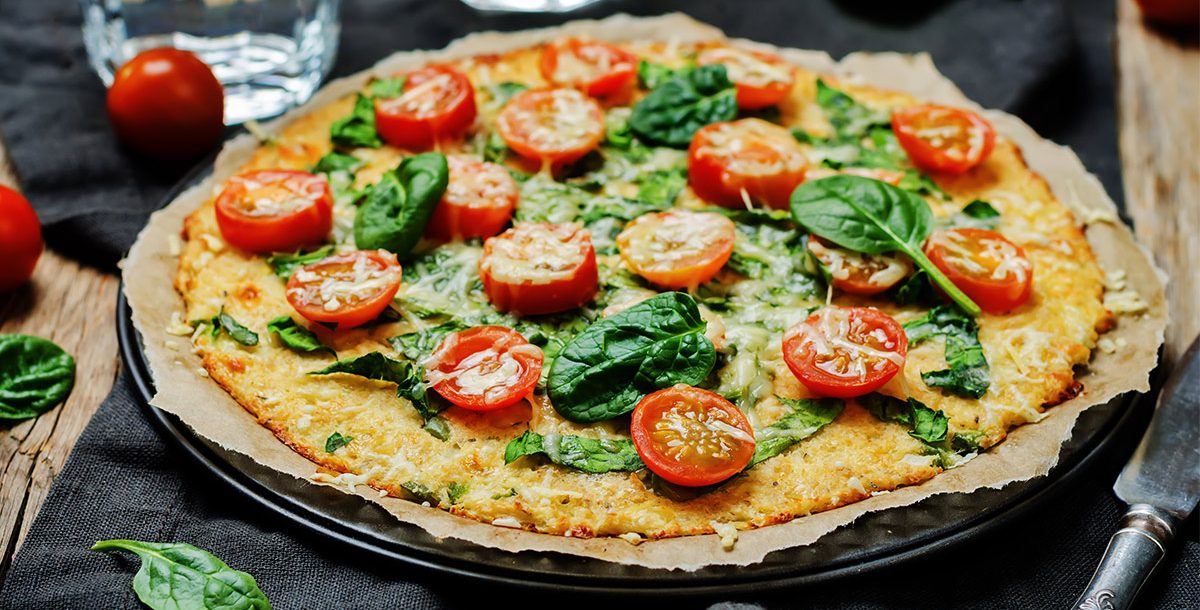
(529, 6)
(269, 54)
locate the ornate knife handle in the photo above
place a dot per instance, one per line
(1132, 554)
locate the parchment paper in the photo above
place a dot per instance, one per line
(1029, 451)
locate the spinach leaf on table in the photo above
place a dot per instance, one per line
(35, 375)
(675, 108)
(925, 424)
(176, 575)
(582, 453)
(968, 370)
(285, 264)
(605, 370)
(295, 337)
(807, 417)
(409, 380)
(395, 213)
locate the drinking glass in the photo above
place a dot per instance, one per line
(529, 6)
(269, 55)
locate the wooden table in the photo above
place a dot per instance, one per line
(1159, 89)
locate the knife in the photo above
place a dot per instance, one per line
(1161, 484)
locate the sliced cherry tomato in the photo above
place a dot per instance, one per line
(485, 368)
(555, 126)
(438, 104)
(596, 68)
(762, 79)
(537, 268)
(732, 164)
(845, 351)
(991, 270)
(479, 200)
(678, 248)
(690, 436)
(348, 289)
(944, 139)
(275, 210)
(859, 273)
(20, 239)
(889, 176)
(166, 102)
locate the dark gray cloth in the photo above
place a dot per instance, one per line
(1049, 62)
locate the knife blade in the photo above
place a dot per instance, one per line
(1161, 483)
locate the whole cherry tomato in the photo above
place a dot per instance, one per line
(20, 239)
(166, 102)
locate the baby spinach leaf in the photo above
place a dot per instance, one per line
(233, 328)
(358, 128)
(582, 453)
(501, 93)
(916, 290)
(386, 87)
(928, 425)
(978, 214)
(336, 441)
(419, 344)
(35, 375)
(661, 187)
(176, 575)
(422, 492)
(285, 264)
(605, 370)
(616, 130)
(493, 148)
(849, 118)
(409, 378)
(437, 427)
(967, 441)
(296, 337)
(651, 75)
(395, 213)
(338, 162)
(807, 417)
(873, 217)
(674, 109)
(967, 374)
(456, 490)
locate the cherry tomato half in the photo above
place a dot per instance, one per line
(845, 351)
(347, 289)
(275, 210)
(537, 268)
(479, 200)
(762, 79)
(438, 104)
(678, 248)
(167, 102)
(596, 68)
(749, 159)
(991, 270)
(944, 139)
(859, 273)
(555, 126)
(690, 436)
(485, 368)
(20, 239)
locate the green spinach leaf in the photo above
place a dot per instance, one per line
(336, 441)
(233, 328)
(408, 378)
(285, 264)
(978, 214)
(176, 575)
(422, 492)
(916, 290)
(849, 118)
(660, 187)
(338, 162)
(582, 453)
(386, 87)
(419, 344)
(455, 491)
(673, 110)
(928, 425)
(358, 128)
(807, 417)
(295, 337)
(500, 93)
(967, 374)
(35, 375)
(395, 213)
(651, 75)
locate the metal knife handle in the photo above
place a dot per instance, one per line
(1132, 554)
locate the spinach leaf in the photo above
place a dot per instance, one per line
(233, 328)
(916, 290)
(651, 75)
(456, 490)
(176, 575)
(660, 187)
(968, 372)
(674, 109)
(586, 454)
(408, 377)
(493, 148)
(872, 217)
(616, 129)
(336, 441)
(357, 128)
(296, 337)
(285, 264)
(928, 425)
(807, 417)
(338, 162)
(605, 370)
(386, 87)
(978, 214)
(967, 441)
(501, 93)
(395, 213)
(422, 492)
(35, 375)
(419, 344)
(849, 118)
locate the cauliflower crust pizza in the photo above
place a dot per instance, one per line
(641, 290)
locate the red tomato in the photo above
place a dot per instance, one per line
(555, 126)
(347, 289)
(732, 164)
(438, 103)
(20, 239)
(889, 176)
(943, 139)
(859, 273)
(678, 248)
(690, 436)
(845, 351)
(275, 210)
(167, 102)
(485, 368)
(479, 200)
(761, 79)
(537, 268)
(596, 68)
(991, 270)
(1172, 12)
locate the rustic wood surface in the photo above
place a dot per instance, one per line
(1159, 114)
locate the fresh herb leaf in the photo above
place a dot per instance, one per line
(928, 425)
(849, 118)
(605, 370)
(501, 93)
(616, 129)
(296, 337)
(338, 161)
(285, 264)
(916, 290)
(408, 378)
(661, 187)
(968, 441)
(978, 214)
(395, 213)
(456, 490)
(35, 375)
(967, 374)
(437, 427)
(494, 148)
(511, 493)
(807, 417)
(418, 345)
(358, 128)
(674, 109)
(586, 454)
(651, 75)
(421, 492)
(336, 441)
(175, 575)
(386, 87)
(233, 328)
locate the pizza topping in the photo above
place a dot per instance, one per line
(484, 368)
(691, 437)
(437, 103)
(274, 210)
(596, 68)
(859, 273)
(940, 138)
(348, 289)
(845, 351)
(677, 248)
(479, 200)
(555, 126)
(890, 176)
(537, 268)
(762, 79)
(993, 271)
(750, 160)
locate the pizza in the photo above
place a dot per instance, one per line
(640, 289)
